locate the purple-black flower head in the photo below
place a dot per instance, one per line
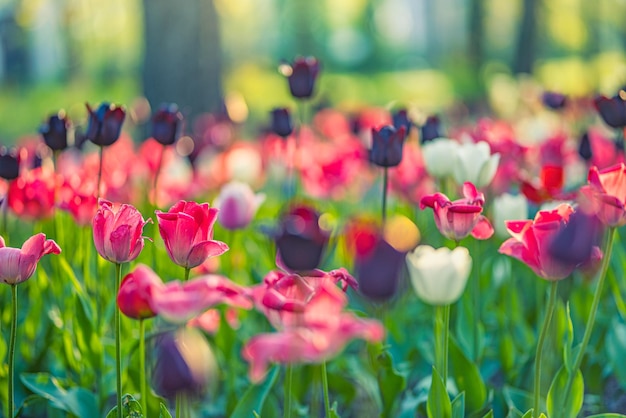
(612, 110)
(584, 147)
(430, 130)
(105, 124)
(553, 100)
(401, 118)
(9, 165)
(281, 122)
(54, 131)
(387, 144)
(575, 243)
(378, 271)
(300, 239)
(166, 124)
(301, 76)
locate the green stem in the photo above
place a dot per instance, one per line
(187, 270)
(118, 345)
(540, 342)
(179, 404)
(446, 331)
(385, 187)
(12, 349)
(606, 258)
(156, 177)
(288, 382)
(142, 367)
(325, 389)
(100, 171)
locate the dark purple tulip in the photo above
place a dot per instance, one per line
(613, 110)
(281, 122)
(105, 124)
(166, 124)
(584, 147)
(430, 130)
(54, 131)
(300, 240)
(576, 241)
(553, 100)
(378, 272)
(387, 143)
(302, 78)
(401, 118)
(9, 165)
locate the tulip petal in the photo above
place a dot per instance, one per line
(119, 245)
(203, 250)
(483, 229)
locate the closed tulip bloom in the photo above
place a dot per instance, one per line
(475, 163)
(18, 265)
(438, 155)
(187, 230)
(117, 233)
(135, 295)
(166, 124)
(387, 143)
(606, 192)
(457, 219)
(302, 75)
(281, 122)
(9, 165)
(401, 118)
(612, 110)
(237, 205)
(105, 124)
(54, 131)
(439, 275)
(554, 100)
(430, 130)
(584, 147)
(508, 207)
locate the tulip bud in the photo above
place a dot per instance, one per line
(237, 205)
(430, 130)
(437, 156)
(54, 131)
(281, 122)
(105, 124)
(475, 163)
(584, 148)
(401, 118)
(135, 293)
(9, 165)
(553, 100)
(439, 276)
(387, 145)
(301, 76)
(166, 124)
(613, 110)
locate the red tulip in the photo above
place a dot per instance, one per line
(458, 219)
(606, 192)
(187, 230)
(136, 291)
(117, 233)
(532, 240)
(31, 195)
(17, 265)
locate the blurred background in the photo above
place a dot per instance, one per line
(223, 55)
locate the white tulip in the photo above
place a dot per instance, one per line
(508, 207)
(439, 275)
(475, 163)
(439, 155)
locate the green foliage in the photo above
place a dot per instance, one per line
(254, 398)
(77, 401)
(439, 405)
(565, 404)
(131, 408)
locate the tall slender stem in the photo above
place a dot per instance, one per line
(118, 345)
(187, 270)
(100, 171)
(385, 186)
(475, 289)
(12, 349)
(179, 404)
(288, 383)
(606, 258)
(446, 339)
(142, 367)
(442, 326)
(325, 389)
(156, 177)
(540, 342)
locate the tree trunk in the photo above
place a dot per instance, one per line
(182, 61)
(526, 51)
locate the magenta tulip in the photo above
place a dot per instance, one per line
(117, 233)
(187, 230)
(17, 265)
(135, 295)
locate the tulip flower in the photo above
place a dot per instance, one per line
(166, 124)
(281, 122)
(387, 144)
(439, 275)
(301, 76)
(606, 193)
(237, 205)
(584, 147)
(508, 207)
(475, 163)
(187, 230)
(553, 100)
(54, 131)
(105, 124)
(9, 165)
(135, 295)
(438, 155)
(459, 218)
(612, 110)
(400, 119)
(117, 233)
(430, 130)
(31, 196)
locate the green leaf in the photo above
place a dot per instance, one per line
(528, 414)
(568, 358)
(390, 382)
(77, 401)
(467, 378)
(333, 411)
(615, 347)
(438, 404)
(164, 413)
(609, 415)
(564, 404)
(253, 399)
(458, 406)
(517, 398)
(131, 408)
(489, 414)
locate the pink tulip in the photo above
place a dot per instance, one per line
(457, 219)
(187, 230)
(606, 192)
(117, 233)
(31, 195)
(136, 291)
(531, 242)
(17, 265)
(237, 205)
(178, 302)
(323, 333)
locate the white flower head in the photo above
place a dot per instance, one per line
(439, 275)
(475, 163)
(508, 207)
(438, 156)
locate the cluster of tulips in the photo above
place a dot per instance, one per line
(311, 263)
